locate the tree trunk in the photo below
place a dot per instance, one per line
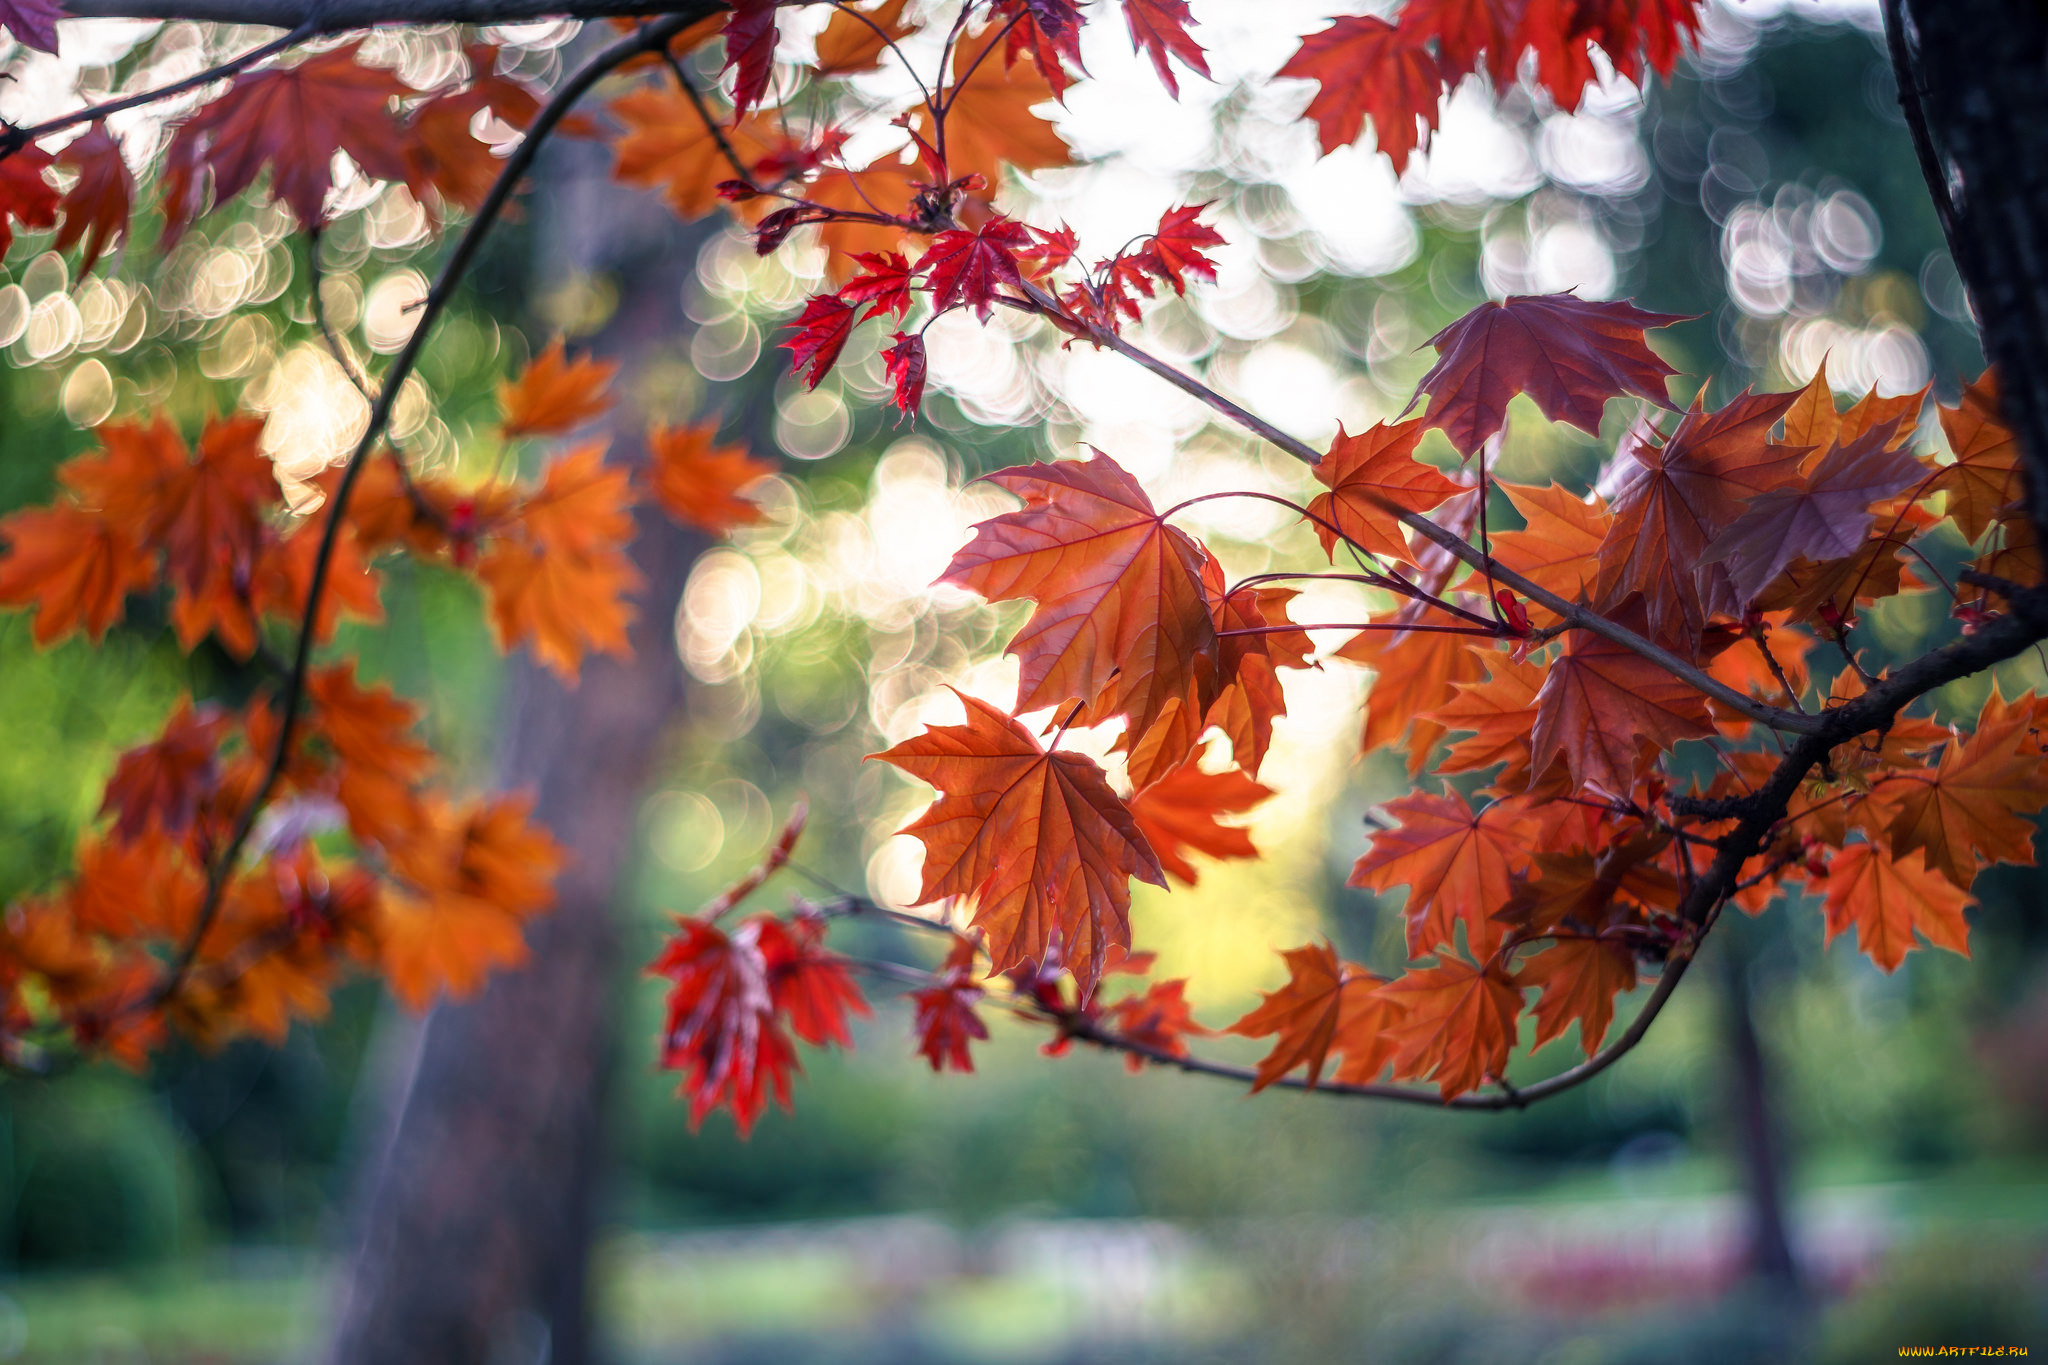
(477, 1216)
(1973, 81)
(1768, 1256)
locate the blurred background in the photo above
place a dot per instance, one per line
(1889, 1133)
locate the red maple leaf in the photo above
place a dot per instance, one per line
(750, 51)
(1368, 67)
(292, 120)
(946, 1023)
(1160, 1018)
(884, 281)
(160, 784)
(905, 365)
(1567, 353)
(1175, 250)
(97, 205)
(966, 268)
(25, 196)
(721, 1031)
(821, 334)
(1160, 27)
(812, 988)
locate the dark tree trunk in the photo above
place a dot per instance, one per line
(1768, 1255)
(1973, 78)
(477, 1214)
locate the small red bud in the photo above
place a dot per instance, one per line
(1514, 616)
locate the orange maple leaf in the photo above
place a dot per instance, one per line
(1457, 1024)
(1301, 1017)
(1973, 805)
(854, 41)
(1178, 816)
(667, 145)
(1559, 549)
(1251, 697)
(1370, 475)
(1985, 478)
(1416, 672)
(1038, 840)
(1160, 1018)
(1121, 621)
(1501, 712)
(698, 482)
(1457, 864)
(73, 566)
(1579, 978)
(1887, 898)
(468, 882)
(568, 604)
(990, 124)
(554, 394)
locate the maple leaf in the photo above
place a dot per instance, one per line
(1458, 865)
(1568, 354)
(1121, 621)
(1559, 549)
(905, 365)
(946, 1022)
(721, 1031)
(160, 784)
(1985, 478)
(25, 196)
(1501, 713)
(1363, 1046)
(568, 603)
(812, 988)
(1672, 499)
(1368, 67)
(1159, 28)
(884, 282)
(1178, 816)
(97, 205)
(1046, 31)
(1370, 476)
(1250, 697)
(698, 482)
(33, 24)
(821, 333)
(1301, 1017)
(750, 51)
(1463, 30)
(293, 120)
(854, 41)
(1037, 840)
(1161, 1018)
(1415, 672)
(370, 731)
(281, 579)
(1579, 979)
(554, 394)
(1456, 1026)
(468, 879)
(1887, 898)
(73, 566)
(1175, 249)
(966, 268)
(667, 144)
(990, 124)
(1601, 704)
(1824, 516)
(1973, 804)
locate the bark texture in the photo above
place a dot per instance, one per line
(1973, 79)
(477, 1215)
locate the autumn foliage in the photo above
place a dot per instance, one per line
(1626, 710)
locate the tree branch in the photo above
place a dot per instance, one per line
(221, 872)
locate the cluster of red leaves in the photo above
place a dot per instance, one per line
(433, 892)
(1396, 72)
(1736, 541)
